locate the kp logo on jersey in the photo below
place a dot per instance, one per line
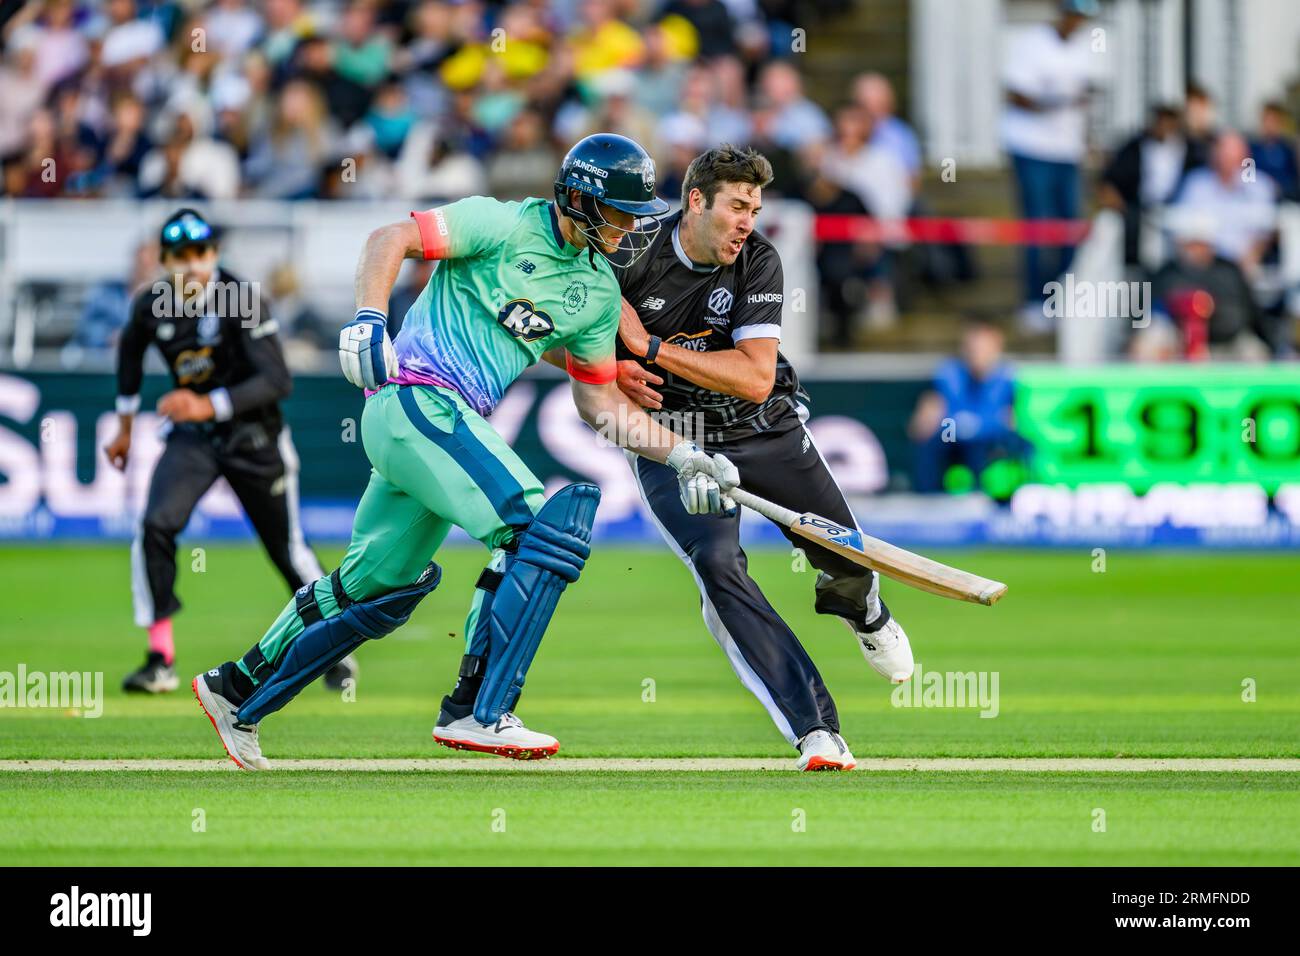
(524, 320)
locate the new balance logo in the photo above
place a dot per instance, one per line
(653, 304)
(526, 267)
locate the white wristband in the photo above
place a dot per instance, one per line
(222, 407)
(128, 404)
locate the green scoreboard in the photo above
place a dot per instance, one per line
(1145, 424)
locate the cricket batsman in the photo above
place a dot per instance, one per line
(699, 339)
(513, 280)
(222, 420)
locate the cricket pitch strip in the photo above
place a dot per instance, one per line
(688, 764)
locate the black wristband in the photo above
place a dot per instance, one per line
(653, 349)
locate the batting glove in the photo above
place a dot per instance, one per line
(366, 352)
(704, 480)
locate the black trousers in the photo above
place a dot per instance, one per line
(261, 467)
(784, 466)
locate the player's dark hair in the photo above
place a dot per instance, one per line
(710, 171)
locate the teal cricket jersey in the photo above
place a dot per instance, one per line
(508, 288)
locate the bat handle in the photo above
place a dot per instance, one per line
(782, 516)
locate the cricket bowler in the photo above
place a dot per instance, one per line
(222, 420)
(699, 340)
(513, 280)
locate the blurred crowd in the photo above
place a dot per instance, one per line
(430, 100)
(418, 99)
(1217, 284)
(1203, 199)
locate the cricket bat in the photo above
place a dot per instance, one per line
(881, 556)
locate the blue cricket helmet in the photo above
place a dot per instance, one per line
(611, 170)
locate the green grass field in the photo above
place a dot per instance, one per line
(1147, 659)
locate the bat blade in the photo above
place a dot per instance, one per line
(880, 556)
(896, 563)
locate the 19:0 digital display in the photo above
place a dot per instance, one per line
(1141, 425)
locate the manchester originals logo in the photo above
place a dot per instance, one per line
(720, 301)
(525, 321)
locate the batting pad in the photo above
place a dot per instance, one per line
(552, 552)
(327, 641)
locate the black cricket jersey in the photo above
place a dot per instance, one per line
(223, 345)
(708, 309)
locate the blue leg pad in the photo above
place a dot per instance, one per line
(328, 641)
(551, 554)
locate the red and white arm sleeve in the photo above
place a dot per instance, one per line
(591, 373)
(434, 234)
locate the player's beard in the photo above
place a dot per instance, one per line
(723, 245)
(727, 251)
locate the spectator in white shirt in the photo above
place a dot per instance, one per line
(883, 185)
(796, 121)
(1237, 198)
(698, 100)
(874, 173)
(189, 163)
(875, 94)
(61, 49)
(1048, 72)
(23, 91)
(232, 28)
(129, 42)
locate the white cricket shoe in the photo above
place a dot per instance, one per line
(240, 740)
(823, 750)
(887, 651)
(508, 737)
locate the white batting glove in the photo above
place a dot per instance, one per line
(704, 479)
(366, 352)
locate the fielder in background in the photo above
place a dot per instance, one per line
(223, 420)
(699, 339)
(513, 280)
